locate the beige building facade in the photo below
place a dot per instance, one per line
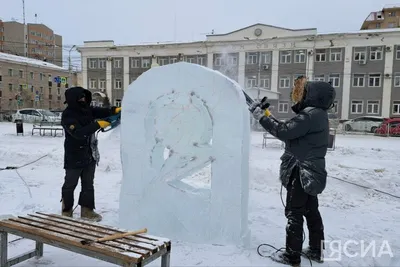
(387, 18)
(31, 40)
(30, 83)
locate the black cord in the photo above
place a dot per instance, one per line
(282, 248)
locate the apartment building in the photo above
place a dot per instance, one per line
(363, 66)
(31, 40)
(32, 83)
(388, 17)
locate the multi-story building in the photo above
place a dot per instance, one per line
(363, 66)
(388, 17)
(31, 40)
(32, 83)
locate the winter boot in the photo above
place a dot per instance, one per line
(65, 213)
(285, 258)
(89, 214)
(314, 254)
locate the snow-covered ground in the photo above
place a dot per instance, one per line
(349, 212)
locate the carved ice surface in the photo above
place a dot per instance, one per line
(176, 120)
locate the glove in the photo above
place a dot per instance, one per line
(103, 124)
(117, 110)
(258, 113)
(267, 113)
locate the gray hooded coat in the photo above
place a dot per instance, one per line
(306, 137)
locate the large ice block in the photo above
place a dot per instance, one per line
(199, 117)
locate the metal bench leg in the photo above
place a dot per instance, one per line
(39, 249)
(3, 248)
(165, 259)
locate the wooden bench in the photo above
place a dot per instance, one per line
(53, 127)
(67, 233)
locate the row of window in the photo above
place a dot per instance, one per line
(101, 84)
(33, 89)
(252, 58)
(357, 107)
(21, 74)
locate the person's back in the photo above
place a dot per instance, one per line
(303, 171)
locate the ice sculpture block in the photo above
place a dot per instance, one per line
(199, 117)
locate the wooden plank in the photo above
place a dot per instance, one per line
(69, 242)
(93, 235)
(101, 233)
(157, 241)
(65, 232)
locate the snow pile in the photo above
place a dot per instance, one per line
(350, 213)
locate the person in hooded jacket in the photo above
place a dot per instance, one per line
(80, 122)
(302, 170)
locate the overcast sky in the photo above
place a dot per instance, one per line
(134, 22)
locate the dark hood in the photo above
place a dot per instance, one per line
(73, 94)
(317, 94)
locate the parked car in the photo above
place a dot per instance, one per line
(363, 124)
(390, 126)
(32, 115)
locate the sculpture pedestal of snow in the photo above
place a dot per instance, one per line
(199, 117)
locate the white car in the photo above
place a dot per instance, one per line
(363, 124)
(32, 115)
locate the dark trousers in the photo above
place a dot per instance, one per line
(86, 197)
(299, 204)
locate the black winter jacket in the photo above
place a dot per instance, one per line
(78, 121)
(306, 137)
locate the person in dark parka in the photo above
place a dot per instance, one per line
(80, 149)
(302, 170)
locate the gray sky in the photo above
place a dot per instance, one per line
(134, 22)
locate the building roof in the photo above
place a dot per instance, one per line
(389, 6)
(29, 61)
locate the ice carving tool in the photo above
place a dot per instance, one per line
(114, 120)
(113, 237)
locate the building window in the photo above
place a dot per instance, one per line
(299, 56)
(219, 61)
(251, 82)
(283, 107)
(376, 53)
(378, 25)
(21, 74)
(92, 63)
(117, 63)
(190, 60)
(102, 84)
(391, 25)
(356, 107)
(358, 80)
(284, 82)
(373, 107)
(396, 80)
(334, 79)
(118, 84)
(118, 102)
(162, 61)
(360, 53)
(398, 52)
(286, 57)
(41, 76)
(265, 57)
(251, 58)
(102, 63)
(92, 84)
(173, 60)
(320, 55)
(146, 63)
(32, 76)
(232, 60)
(10, 72)
(200, 61)
(135, 63)
(396, 108)
(320, 77)
(264, 82)
(336, 54)
(374, 80)
(10, 86)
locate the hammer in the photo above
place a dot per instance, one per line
(113, 237)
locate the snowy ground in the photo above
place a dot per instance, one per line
(349, 212)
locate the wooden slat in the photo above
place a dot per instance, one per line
(63, 233)
(76, 232)
(158, 241)
(136, 242)
(68, 240)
